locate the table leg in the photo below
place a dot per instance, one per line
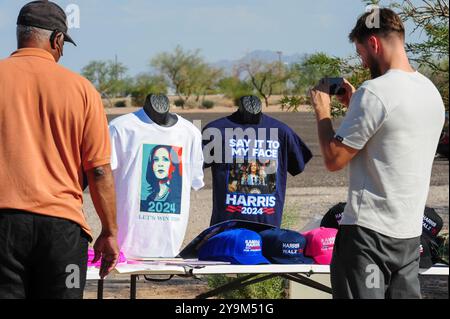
(100, 288)
(133, 287)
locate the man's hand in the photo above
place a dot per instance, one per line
(106, 248)
(335, 154)
(101, 186)
(320, 100)
(349, 91)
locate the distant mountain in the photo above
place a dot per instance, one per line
(262, 55)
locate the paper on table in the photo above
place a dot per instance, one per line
(154, 259)
(150, 268)
(196, 262)
(176, 261)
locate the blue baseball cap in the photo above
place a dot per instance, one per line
(237, 246)
(283, 246)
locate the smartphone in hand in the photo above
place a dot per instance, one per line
(334, 86)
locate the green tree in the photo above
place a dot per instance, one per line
(205, 81)
(144, 84)
(308, 72)
(234, 88)
(430, 19)
(107, 77)
(354, 72)
(266, 78)
(187, 72)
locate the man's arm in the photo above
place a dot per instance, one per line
(336, 155)
(101, 186)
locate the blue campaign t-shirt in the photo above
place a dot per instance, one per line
(249, 165)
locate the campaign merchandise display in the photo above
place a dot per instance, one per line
(432, 223)
(334, 215)
(237, 246)
(154, 169)
(426, 258)
(320, 244)
(191, 250)
(429, 243)
(283, 246)
(249, 165)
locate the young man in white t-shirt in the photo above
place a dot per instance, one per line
(388, 138)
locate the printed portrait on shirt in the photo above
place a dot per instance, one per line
(161, 182)
(252, 177)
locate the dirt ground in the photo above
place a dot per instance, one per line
(308, 197)
(222, 105)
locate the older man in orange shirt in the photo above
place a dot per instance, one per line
(52, 129)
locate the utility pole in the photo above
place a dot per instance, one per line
(280, 53)
(280, 64)
(116, 73)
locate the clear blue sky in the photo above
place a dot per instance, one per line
(136, 30)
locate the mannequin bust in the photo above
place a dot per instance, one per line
(250, 110)
(157, 108)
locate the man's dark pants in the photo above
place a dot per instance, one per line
(41, 257)
(368, 265)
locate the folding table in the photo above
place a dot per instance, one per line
(302, 274)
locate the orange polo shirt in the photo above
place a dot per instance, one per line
(52, 126)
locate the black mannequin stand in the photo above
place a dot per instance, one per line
(250, 110)
(157, 108)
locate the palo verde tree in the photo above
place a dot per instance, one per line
(308, 72)
(430, 20)
(186, 71)
(144, 84)
(266, 78)
(107, 76)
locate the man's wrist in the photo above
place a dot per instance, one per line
(323, 113)
(109, 232)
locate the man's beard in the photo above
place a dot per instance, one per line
(374, 68)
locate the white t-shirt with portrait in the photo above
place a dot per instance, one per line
(154, 169)
(395, 121)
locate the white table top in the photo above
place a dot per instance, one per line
(138, 269)
(164, 269)
(261, 269)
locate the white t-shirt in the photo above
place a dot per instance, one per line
(395, 121)
(154, 169)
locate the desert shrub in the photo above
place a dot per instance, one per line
(236, 101)
(191, 104)
(120, 104)
(274, 288)
(292, 103)
(337, 109)
(234, 88)
(179, 103)
(207, 104)
(227, 103)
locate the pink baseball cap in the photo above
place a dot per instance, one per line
(320, 244)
